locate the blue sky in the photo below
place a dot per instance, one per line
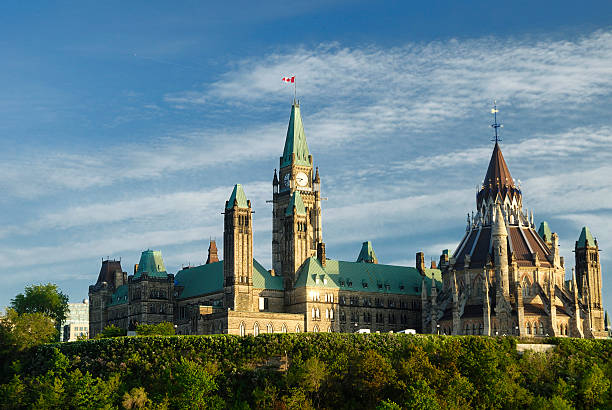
(124, 127)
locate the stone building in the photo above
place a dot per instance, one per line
(304, 290)
(505, 278)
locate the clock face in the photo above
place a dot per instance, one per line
(302, 179)
(286, 180)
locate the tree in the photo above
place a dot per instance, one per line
(20, 332)
(46, 299)
(111, 331)
(160, 329)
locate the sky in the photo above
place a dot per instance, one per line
(124, 127)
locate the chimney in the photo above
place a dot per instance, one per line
(420, 262)
(433, 264)
(321, 253)
(212, 252)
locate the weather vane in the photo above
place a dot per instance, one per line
(495, 124)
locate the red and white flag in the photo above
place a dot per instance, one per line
(289, 79)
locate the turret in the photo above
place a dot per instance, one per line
(367, 253)
(238, 252)
(588, 273)
(500, 250)
(545, 234)
(212, 252)
(275, 183)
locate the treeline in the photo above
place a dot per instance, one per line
(287, 371)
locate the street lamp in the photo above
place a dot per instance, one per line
(438, 327)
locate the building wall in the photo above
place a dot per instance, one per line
(77, 322)
(151, 300)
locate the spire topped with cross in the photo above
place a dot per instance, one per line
(495, 124)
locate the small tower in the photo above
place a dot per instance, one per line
(212, 252)
(367, 253)
(238, 252)
(588, 275)
(500, 251)
(545, 233)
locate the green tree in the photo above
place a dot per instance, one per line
(194, 386)
(46, 299)
(136, 399)
(111, 331)
(160, 329)
(20, 332)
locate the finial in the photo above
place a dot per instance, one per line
(495, 124)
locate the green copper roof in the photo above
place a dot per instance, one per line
(296, 200)
(152, 263)
(204, 279)
(262, 279)
(367, 253)
(363, 277)
(544, 232)
(120, 296)
(295, 143)
(586, 239)
(238, 196)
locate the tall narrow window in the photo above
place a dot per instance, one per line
(256, 329)
(242, 329)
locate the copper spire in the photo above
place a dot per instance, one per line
(498, 174)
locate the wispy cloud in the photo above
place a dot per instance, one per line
(419, 83)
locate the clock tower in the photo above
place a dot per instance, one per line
(295, 235)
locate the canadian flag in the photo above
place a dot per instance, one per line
(289, 79)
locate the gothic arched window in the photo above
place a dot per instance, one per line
(242, 329)
(256, 329)
(284, 328)
(526, 287)
(528, 328)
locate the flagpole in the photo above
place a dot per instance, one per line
(295, 89)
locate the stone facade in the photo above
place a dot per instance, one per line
(504, 278)
(507, 279)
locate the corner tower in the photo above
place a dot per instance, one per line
(588, 276)
(296, 185)
(238, 252)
